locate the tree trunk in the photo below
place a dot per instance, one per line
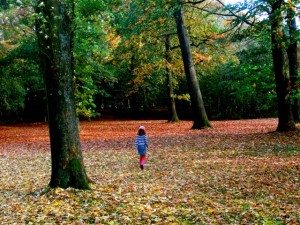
(198, 109)
(54, 34)
(133, 96)
(292, 52)
(172, 117)
(283, 83)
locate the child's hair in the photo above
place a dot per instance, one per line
(141, 131)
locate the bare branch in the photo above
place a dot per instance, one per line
(175, 47)
(195, 2)
(230, 14)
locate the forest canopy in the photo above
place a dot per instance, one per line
(121, 65)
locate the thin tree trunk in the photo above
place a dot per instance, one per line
(200, 117)
(172, 117)
(292, 52)
(133, 97)
(283, 83)
(54, 35)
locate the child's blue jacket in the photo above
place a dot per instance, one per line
(141, 142)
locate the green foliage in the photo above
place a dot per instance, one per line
(12, 94)
(138, 57)
(294, 95)
(88, 8)
(21, 81)
(242, 90)
(119, 59)
(95, 75)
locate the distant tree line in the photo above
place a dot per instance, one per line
(121, 69)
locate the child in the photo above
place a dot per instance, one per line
(141, 143)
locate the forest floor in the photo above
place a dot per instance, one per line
(238, 172)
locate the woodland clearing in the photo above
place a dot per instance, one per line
(238, 172)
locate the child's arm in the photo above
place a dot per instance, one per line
(146, 141)
(136, 142)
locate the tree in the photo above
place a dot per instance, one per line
(199, 114)
(274, 24)
(22, 84)
(172, 117)
(140, 27)
(91, 53)
(292, 57)
(55, 36)
(283, 82)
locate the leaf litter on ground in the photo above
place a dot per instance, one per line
(239, 172)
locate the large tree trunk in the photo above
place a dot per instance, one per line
(292, 55)
(172, 117)
(198, 109)
(283, 82)
(55, 38)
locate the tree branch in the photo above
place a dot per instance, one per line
(195, 2)
(230, 14)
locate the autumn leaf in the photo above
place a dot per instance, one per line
(239, 172)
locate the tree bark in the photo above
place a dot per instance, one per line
(54, 30)
(172, 117)
(292, 52)
(199, 113)
(133, 97)
(283, 82)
